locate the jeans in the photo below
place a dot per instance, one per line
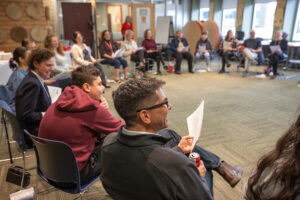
(210, 160)
(201, 55)
(115, 62)
(102, 74)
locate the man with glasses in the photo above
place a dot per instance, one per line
(144, 160)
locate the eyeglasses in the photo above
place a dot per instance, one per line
(155, 106)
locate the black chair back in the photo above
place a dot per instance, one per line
(18, 134)
(56, 163)
(240, 35)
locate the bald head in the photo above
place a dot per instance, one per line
(252, 34)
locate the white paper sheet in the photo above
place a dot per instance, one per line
(54, 93)
(194, 123)
(202, 48)
(119, 53)
(275, 48)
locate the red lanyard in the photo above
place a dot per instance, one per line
(109, 45)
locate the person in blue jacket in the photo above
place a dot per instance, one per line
(180, 49)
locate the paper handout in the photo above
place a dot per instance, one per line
(194, 123)
(54, 93)
(275, 48)
(119, 53)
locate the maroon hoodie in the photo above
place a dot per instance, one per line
(77, 119)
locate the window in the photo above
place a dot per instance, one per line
(204, 10)
(263, 19)
(296, 34)
(229, 16)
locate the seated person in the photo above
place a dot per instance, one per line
(20, 69)
(131, 51)
(107, 50)
(278, 55)
(228, 47)
(61, 66)
(28, 44)
(82, 57)
(151, 50)
(32, 96)
(80, 118)
(146, 161)
(203, 49)
(252, 51)
(277, 174)
(180, 49)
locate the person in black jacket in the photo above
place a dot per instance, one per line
(280, 54)
(107, 50)
(32, 96)
(147, 161)
(203, 49)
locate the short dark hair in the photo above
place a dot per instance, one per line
(205, 32)
(26, 41)
(135, 94)
(18, 52)
(84, 74)
(39, 55)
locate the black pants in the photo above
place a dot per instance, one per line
(225, 58)
(274, 60)
(157, 56)
(138, 56)
(93, 167)
(186, 55)
(210, 160)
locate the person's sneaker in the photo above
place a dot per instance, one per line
(166, 68)
(228, 65)
(158, 73)
(221, 71)
(208, 69)
(273, 76)
(231, 174)
(177, 72)
(191, 71)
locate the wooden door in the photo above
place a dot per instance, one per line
(78, 17)
(143, 17)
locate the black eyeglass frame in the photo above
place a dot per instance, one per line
(166, 102)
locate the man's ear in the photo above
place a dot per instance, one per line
(86, 87)
(35, 64)
(145, 116)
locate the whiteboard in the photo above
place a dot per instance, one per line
(162, 29)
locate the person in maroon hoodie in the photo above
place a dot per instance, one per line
(80, 118)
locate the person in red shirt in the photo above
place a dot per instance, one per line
(127, 25)
(80, 118)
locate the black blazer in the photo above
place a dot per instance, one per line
(31, 101)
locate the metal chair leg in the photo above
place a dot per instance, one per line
(24, 169)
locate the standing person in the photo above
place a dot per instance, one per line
(82, 57)
(32, 96)
(281, 54)
(144, 160)
(20, 69)
(180, 49)
(127, 25)
(80, 118)
(228, 46)
(131, 50)
(107, 50)
(151, 50)
(277, 174)
(203, 49)
(28, 44)
(252, 51)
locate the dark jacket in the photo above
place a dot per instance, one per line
(81, 121)
(283, 45)
(31, 100)
(205, 43)
(104, 48)
(175, 43)
(136, 167)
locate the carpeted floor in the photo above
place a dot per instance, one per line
(243, 118)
